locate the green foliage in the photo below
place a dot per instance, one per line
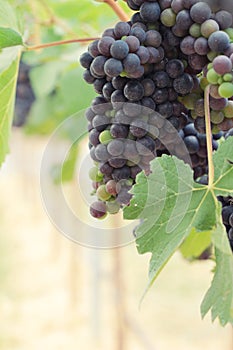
(9, 37)
(170, 186)
(65, 172)
(9, 62)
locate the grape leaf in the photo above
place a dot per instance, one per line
(172, 205)
(8, 80)
(9, 37)
(218, 298)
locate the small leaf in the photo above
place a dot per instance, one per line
(8, 80)
(219, 297)
(9, 37)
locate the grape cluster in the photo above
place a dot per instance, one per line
(24, 95)
(150, 74)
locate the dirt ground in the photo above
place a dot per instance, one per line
(58, 295)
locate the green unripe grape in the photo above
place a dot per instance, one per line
(212, 76)
(208, 27)
(226, 90)
(210, 65)
(227, 77)
(229, 32)
(113, 207)
(189, 100)
(102, 194)
(228, 110)
(211, 55)
(216, 117)
(95, 175)
(195, 30)
(105, 137)
(220, 81)
(168, 17)
(203, 83)
(215, 129)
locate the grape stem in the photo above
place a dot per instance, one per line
(118, 10)
(57, 43)
(209, 137)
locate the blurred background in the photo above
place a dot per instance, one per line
(56, 294)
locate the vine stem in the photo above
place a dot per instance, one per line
(209, 136)
(118, 10)
(57, 43)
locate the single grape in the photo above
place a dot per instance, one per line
(222, 64)
(119, 49)
(226, 90)
(224, 19)
(98, 210)
(134, 90)
(200, 12)
(105, 137)
(113, 67)
(218, 41)
(104, 45)
(208, 27)
(115, 147)
(94, 174)
(102, 194)
(150, 11)
(168, 17)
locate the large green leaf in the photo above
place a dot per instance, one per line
(172, 206)
(8, 80)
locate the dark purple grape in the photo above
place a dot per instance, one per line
(153, 38)
(104, 45)
(85, 60)
(218, 41)
(183, 85)
(93, 48)
(113, 67)
(101, 152)
(192, 144)
(174, 68)
(131, 63)
(138, 128)
(150, 11)
(119, 49)
(133, 43)
(119, 131)
(143, 54)
(134, 90)
(200, 12)
(115, 147)
(139, 33)
(121, 29)
(224, 19)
